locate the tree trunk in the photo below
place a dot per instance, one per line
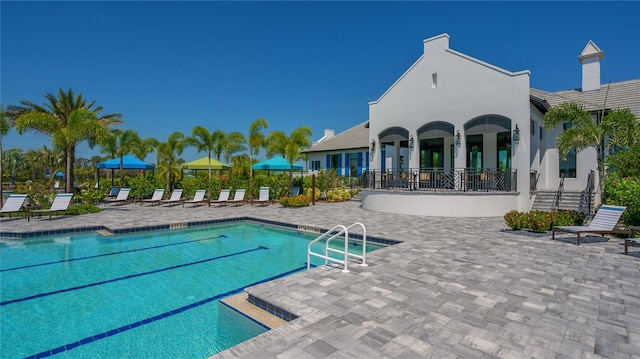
(69, 171)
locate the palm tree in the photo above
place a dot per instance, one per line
(145, 147)
(617, 128)
(256, 139)
(168, 156)
(126, 142)
(68, 119)
(13, 161)
(45, 161)
(233, 144)
(5, 126)
(290, 147)
(209, 142)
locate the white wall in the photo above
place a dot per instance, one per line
(466, 88)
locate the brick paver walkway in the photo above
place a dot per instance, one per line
(455, 288)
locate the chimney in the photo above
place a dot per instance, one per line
(590, 59)
(328, 133)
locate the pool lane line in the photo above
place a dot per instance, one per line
(128, 277)
(124, 328)
(113, 253)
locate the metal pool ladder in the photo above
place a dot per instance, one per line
(339, 230)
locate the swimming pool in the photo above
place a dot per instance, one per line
(148, 295)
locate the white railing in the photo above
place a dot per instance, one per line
(341, 230)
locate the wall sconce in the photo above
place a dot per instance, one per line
(516, 134)
(373, 146)
(411, 142)
(457, 139)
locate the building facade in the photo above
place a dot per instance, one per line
(456, 136)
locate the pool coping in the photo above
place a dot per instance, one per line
(104, 230)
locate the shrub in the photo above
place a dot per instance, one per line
(82, 208)
(540, 221)
(296, 201)
(516, 220)
(90, 195)
(338, 195)
(625, 192)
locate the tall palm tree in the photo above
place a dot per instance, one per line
(14, 160)
(256, 140)
(146, 146)
(168, 154)
(5, 126)
(68, 119)
(45, 160)
(126, 142)
(617, 128)
(209, 142)
(290, 147)
(234, 143)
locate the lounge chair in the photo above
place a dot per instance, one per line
(60, 203)
(295, 191)
(176, 197)
(156, 198)
(198, 198)
(238, 196)
(603, 222)
(223, 198)
(114, 192)
(263, 196)
(14, 203)
(122, 197)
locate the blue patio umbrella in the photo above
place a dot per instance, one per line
(128, 163)
(276, 164)
(58, 174)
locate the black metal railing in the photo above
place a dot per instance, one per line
(534, 176)
(558, 196)
(588, 193)
(435, 179)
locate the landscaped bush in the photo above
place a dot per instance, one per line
(82, 208)
(308, 193)
(338, 195)
(516, 220)
(90, 196)
(295, 201)
(625, 192)
(539, 221)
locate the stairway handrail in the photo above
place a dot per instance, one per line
(556, 204)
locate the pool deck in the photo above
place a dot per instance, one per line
(455, 288)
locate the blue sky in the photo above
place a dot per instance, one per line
(170, 66)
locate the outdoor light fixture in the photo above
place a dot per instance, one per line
(516, 134)
(373, 146)
(411, 142)
(457, 140)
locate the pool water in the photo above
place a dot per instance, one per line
(148, 295)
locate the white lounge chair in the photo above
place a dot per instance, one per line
(122, 197)
(603, 222)
(263, 197)
(198, 197)
(156, 198)
(176, 197)
(238, 197)
(295, 191)
(223, 198)
(60, 203)
(14, 203)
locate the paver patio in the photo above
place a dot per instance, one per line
(455, 287)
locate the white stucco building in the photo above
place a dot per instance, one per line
(456, 136)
